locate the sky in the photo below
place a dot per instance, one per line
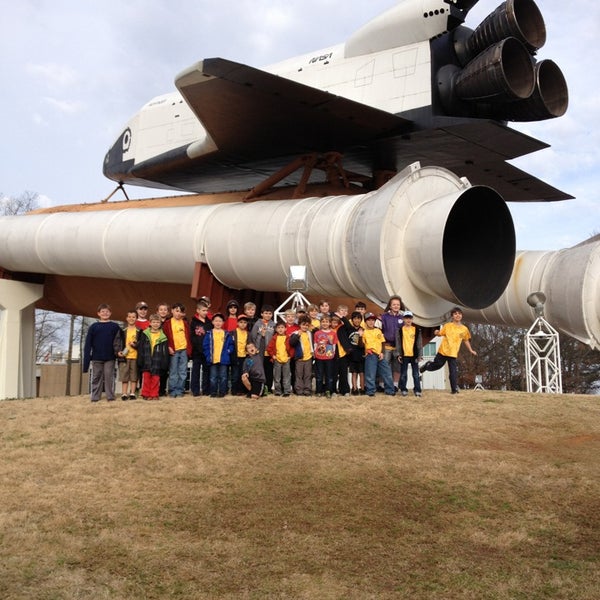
(75, 71)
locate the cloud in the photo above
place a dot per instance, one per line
(45, 202)
(65, 106)
(38, 119)
(52, 74)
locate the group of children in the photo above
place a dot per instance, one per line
(236, 352)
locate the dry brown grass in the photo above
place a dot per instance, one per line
(484, 495)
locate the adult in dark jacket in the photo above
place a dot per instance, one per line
(391, 321)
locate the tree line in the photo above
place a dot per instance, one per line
(500, 361)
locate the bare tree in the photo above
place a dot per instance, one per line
(18, 205)
(500, 361)
(51, 330)
(500, 358)
(580, 367)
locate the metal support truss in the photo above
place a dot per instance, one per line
(295, 300)
(542, 358)
(331, 163)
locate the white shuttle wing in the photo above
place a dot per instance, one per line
(252, 114)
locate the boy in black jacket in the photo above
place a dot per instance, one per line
(153, 357)
(409, 346)
(356, 355)
(199, 325)
(342, 351)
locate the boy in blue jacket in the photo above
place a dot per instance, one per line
(218, 349)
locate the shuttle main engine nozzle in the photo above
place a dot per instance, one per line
(520, 19)
(496, 75)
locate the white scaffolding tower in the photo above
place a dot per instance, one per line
(296, 284)
(542, 352)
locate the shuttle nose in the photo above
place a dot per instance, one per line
(116, 165)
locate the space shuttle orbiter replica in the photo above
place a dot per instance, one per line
(407, 121)
(412, 85)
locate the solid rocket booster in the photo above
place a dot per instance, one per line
(426, 235)
(570, 280)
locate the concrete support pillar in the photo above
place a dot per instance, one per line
(17, 338)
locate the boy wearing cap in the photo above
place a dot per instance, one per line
(409, 347)
(301, 341)
(231, 315)
(454, 333)
(280, 353)
(375, 363)
(141, 322)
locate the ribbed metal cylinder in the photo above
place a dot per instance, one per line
(550, 97)
(520, 19)
(502, 72)
(426, 235)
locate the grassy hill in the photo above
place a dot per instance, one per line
(480, 495)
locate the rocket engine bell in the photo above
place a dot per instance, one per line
(495, 74)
